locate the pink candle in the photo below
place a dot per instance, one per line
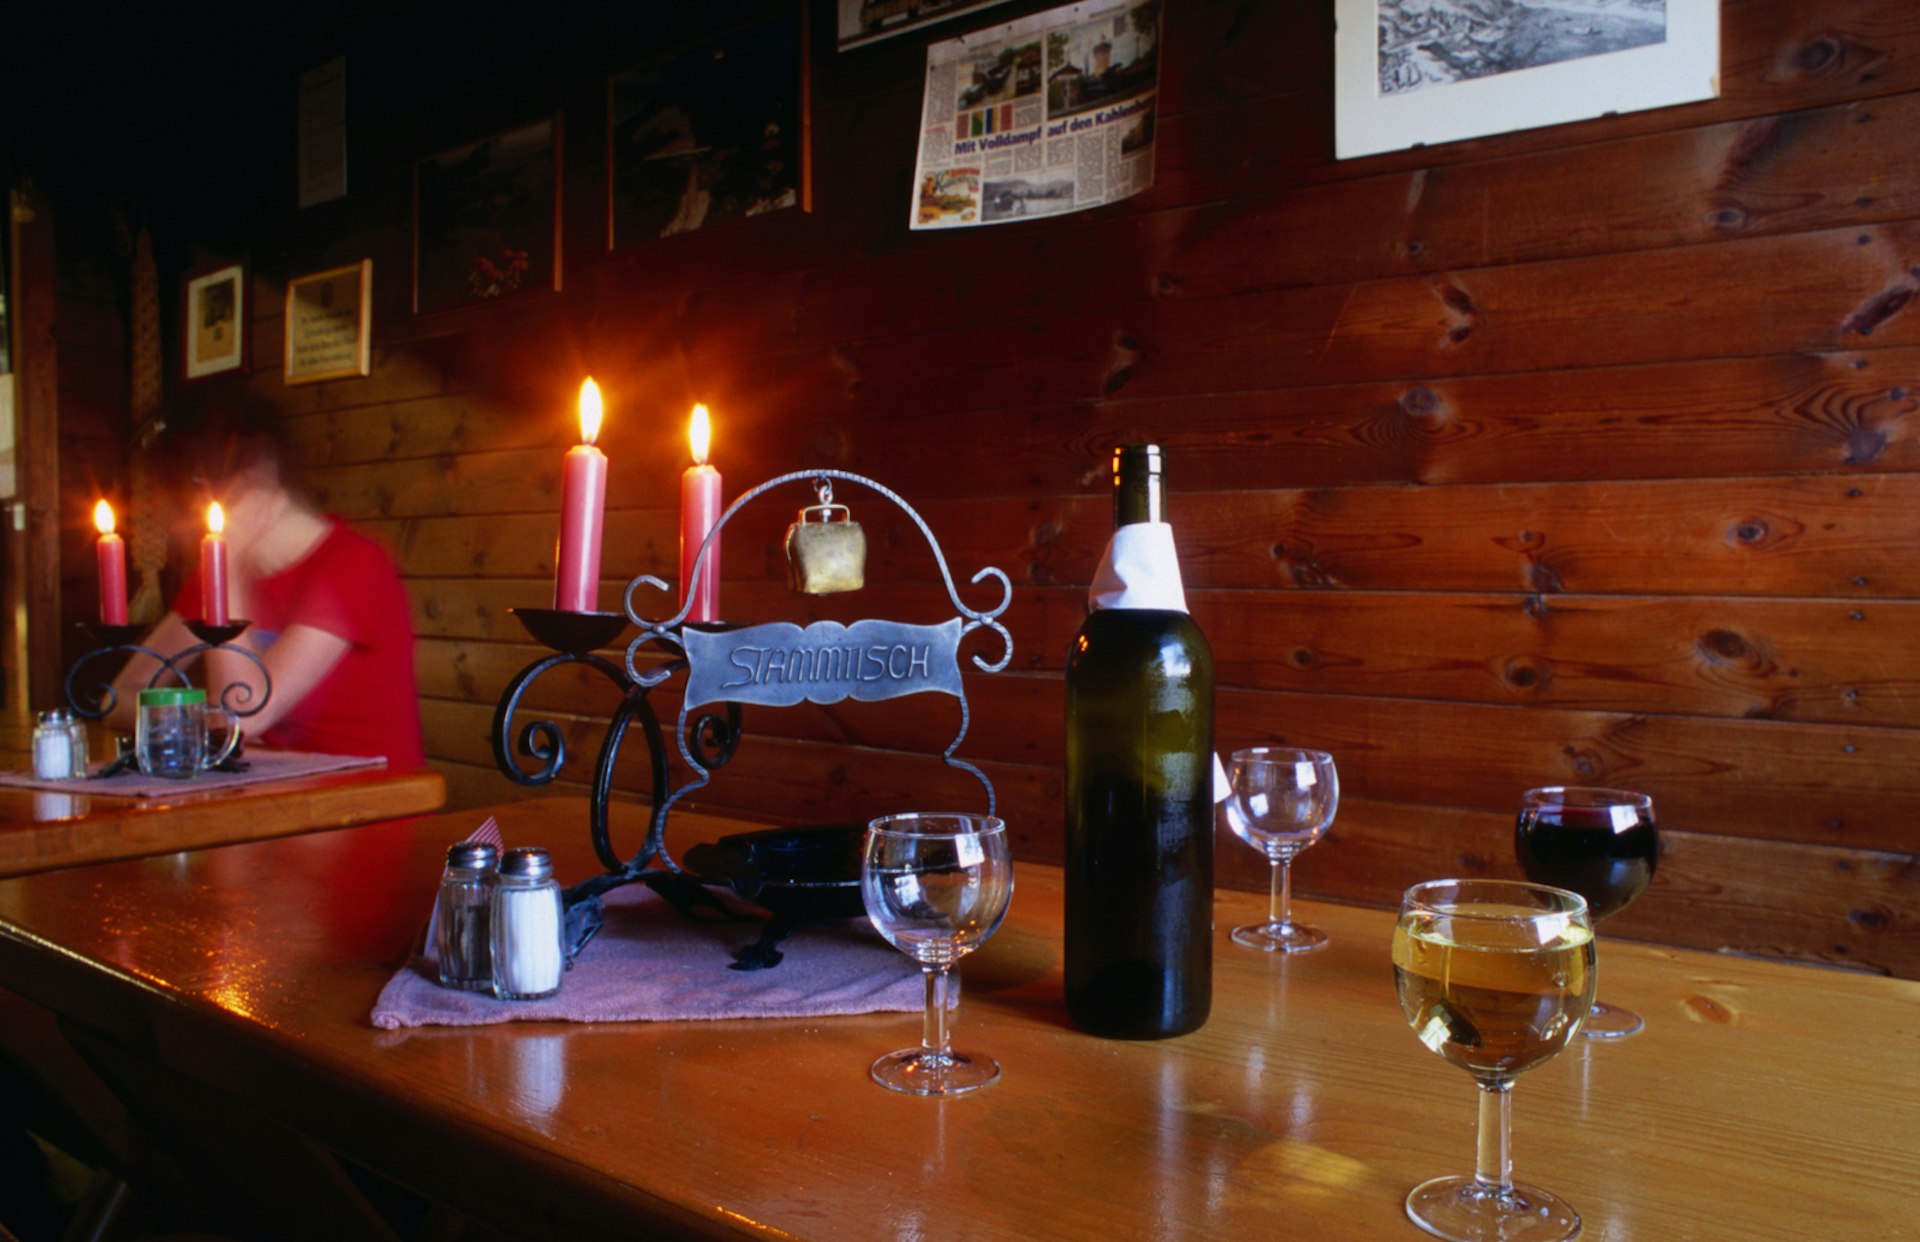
(699, 513)
(213, 568)
(112, 554)
(583, 502)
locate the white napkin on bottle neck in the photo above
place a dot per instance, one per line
(1140, 570)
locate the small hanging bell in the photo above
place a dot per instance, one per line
(826, 549)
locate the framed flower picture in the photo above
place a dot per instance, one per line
(486, 220)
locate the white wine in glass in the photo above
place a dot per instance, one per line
(1495, 976)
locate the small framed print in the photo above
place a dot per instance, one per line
(330, 324)
(214, 322)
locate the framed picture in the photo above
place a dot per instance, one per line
(864, 21)
(716, 133)
(486, 219)
(213, 324)
(1415, 72)
(330, 324)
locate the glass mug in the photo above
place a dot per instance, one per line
(170, 734)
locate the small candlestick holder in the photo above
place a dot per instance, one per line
(866, 660)
(236, 698)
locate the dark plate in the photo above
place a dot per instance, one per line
(805, 874)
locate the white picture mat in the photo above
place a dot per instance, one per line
(200, 359)
(1682, 69)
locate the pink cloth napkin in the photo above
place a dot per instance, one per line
(262, 765)
(651, 963)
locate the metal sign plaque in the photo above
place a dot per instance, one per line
(781, 664)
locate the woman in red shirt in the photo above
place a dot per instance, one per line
(329, 614)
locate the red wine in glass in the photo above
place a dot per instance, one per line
(1600, 843)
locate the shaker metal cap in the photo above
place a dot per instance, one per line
(528, 862)
(56, 716)
(474, 854)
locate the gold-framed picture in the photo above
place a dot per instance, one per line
(330, 324)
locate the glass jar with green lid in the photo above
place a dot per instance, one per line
(170, 733)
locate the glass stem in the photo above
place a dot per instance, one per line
(1280, 894)
(1493, 1167)
(933, 1031)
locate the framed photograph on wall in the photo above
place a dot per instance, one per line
(864, 21)
(486, 219)
(213, 321)
(330, 324)
(1418, 72)
(717, 133)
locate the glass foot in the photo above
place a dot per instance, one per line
(915, 1071)
(1463, 1209)
(1279, 937)
(1611, 1022)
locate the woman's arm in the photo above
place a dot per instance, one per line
(298, 661)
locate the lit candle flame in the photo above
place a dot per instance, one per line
(700, 433)
(590, 411)
(216, 518)
(103, 518)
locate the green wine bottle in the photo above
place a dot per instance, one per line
(1139, 831)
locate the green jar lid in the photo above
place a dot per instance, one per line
(172, 696)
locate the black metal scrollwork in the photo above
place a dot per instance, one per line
(707, 737)
(96, 699)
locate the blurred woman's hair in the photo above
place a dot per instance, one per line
(234, 444)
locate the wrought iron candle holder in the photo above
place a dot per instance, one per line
(727, 666)
(236, 698)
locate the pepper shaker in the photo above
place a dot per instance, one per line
(527, 927)
(462, 927)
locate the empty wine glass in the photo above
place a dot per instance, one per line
(1283, 800)
(936, 886)
(1495, 976)
(1601, 843)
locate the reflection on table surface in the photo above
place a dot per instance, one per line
(1763, 1101)
(42, 829)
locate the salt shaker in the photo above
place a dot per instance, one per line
(53, 747)
(462, 927)
(527, 960)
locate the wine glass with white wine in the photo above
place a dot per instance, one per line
(1495, 976)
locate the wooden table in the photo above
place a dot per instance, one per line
(41, 830)
(1763, 1101)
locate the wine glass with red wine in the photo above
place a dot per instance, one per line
(1600, 843)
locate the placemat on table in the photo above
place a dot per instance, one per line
(262, 765)
(651, 963)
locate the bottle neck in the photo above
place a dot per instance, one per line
(1139, 490)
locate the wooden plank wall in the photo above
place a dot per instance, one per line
(1576, 455)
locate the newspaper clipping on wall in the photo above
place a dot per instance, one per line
(1049, 114)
